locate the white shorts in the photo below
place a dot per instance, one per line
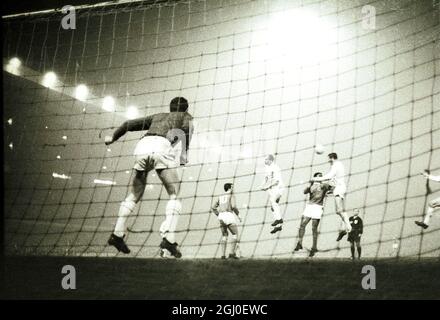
(155, 152)
(275, 193)
(227, 218)
(313, 211)
(340, 190)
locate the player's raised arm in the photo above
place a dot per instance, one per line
(330, 175)
(431, 177)
(129, 125)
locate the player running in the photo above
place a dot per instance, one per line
(313, 211)
(223, 208)
(432, 205)
(163, 148)
(354, 237)
(336, 177)
(273, 184)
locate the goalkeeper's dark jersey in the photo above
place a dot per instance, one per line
(168, 125)
(356, 225)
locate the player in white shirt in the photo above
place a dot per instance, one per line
(227, 213)
(432, 205)
(336, 178)
(273, 184)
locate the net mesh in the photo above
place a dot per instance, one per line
(261, 77)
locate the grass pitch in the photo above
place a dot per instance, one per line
(131, 278)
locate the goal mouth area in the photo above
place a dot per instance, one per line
(113, 278)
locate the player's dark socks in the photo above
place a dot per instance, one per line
(223, 257)
(171, 247)
(233, 256)
(352, 252)
(359, 252)
(298, 246)
(421, 224)
(312, 252)
(276, 229)
(277, 222)
(315, 240)
(341, 235)
(118, 243)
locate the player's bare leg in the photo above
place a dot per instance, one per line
(276, 211)
(301, 232)
(340, 210)
(234, 231)
(432, 206)
(127, 206)
(171, 181)
(224, 240)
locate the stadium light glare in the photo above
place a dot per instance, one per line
(81, 92)
(13, 66)
(132, 112)
(11, 146)
(108, 104)
(298, 37)
(10, 121)
(104, 182)
(49, 79)
(61, 176)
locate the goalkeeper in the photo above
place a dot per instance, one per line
(163, 148)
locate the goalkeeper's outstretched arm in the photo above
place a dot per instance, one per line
(129, 125)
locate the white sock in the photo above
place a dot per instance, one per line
(223, 243)
(428, 215)
(168, 227)
(276, 211)
(126, 208)
(234, 244)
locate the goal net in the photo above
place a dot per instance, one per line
(262, 77)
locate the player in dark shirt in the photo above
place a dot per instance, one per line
(163, 148)
(354, 237)
(317, 191)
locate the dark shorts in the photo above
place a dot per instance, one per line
(353, 237)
